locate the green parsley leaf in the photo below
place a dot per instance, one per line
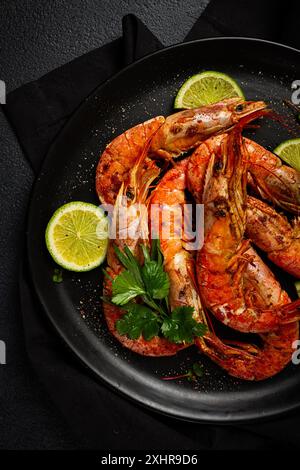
(125, 288)
(156, 280)
(57, 276)
(122, 257)
(151, 283)
(130, 263)
(192, 374)
(138, 320)
(199, 329)
(198, 369)
(146, 253)
(181, 326)
(156, 254)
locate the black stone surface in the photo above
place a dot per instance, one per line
(35, 37)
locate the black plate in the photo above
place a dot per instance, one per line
(145, 89)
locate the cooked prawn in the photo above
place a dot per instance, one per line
(241, 360)
(120, 156)
(250, 362)
(273, 180)
(221, 262)
(169, 137)
(187, 129)
(269, 230)
(273, 233)
(137, 187)
(267, 175)
(169, 196)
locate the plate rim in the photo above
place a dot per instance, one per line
(90, 368)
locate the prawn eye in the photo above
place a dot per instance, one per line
(129, 194)
(239, 108)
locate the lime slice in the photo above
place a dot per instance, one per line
(206, 88)
(77, 236)
(289, 151)
(297, 285)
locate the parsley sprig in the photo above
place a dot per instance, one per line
(57, 275)
(192, 374)
(148, 285)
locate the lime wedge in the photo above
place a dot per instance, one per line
(297, 285)
(77, 236)
(289, 151)
(206, 88)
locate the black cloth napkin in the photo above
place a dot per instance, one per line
(99, 417)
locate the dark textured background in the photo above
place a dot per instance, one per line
(35, 37)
